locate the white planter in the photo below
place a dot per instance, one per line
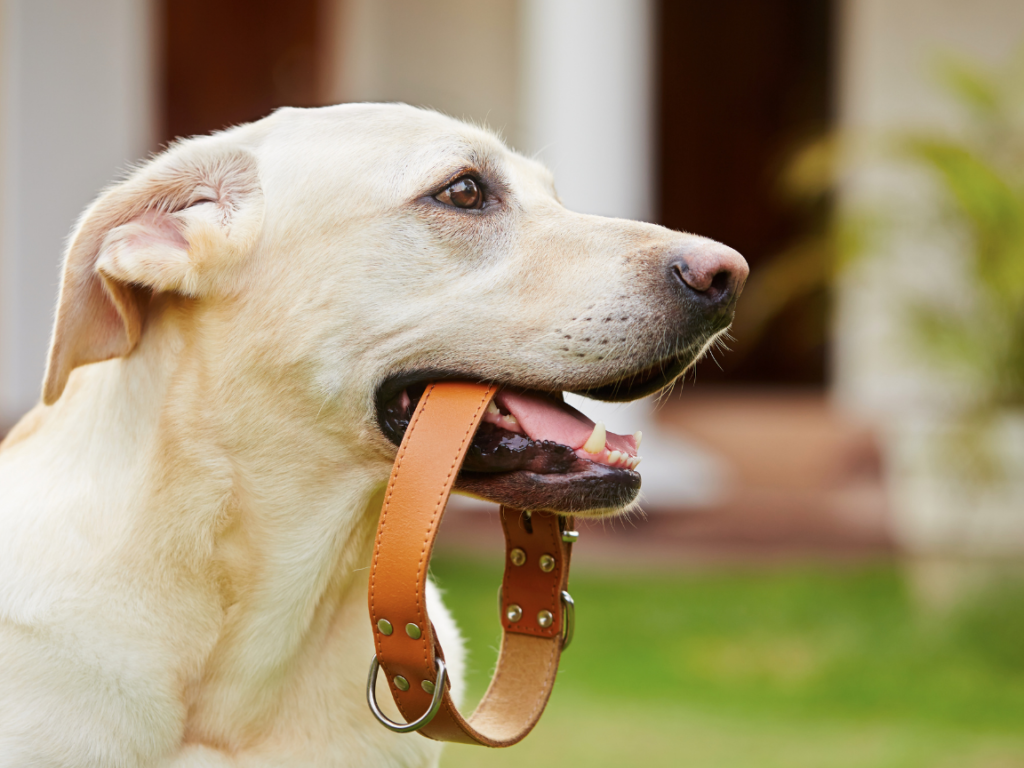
(938, 511)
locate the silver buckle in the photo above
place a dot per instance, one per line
(415, 725)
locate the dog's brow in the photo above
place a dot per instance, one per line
(489, 169)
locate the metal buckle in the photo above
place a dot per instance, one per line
(415, 725)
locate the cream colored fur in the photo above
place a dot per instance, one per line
(186, 521)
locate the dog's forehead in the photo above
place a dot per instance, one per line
(400, 151)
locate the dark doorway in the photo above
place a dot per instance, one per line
(742, 84)
(232, 61)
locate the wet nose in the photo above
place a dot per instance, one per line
(710, 271)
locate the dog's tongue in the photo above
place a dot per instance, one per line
(543, 418)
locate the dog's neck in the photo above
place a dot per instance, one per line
(266, 520)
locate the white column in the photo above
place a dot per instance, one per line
(588, 110)
(587, 78)
(76, 106)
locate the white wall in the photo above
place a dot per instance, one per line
(457, 56)
(570, 80)
(76, 105)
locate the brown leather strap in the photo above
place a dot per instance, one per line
(536, 573)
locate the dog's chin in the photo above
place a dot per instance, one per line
(596, 491)
(535, 452)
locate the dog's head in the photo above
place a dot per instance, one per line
(331, 262)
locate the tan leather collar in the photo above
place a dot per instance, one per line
(533, 589)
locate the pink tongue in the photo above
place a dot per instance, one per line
(545, 418)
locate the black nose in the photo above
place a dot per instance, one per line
(709, 271)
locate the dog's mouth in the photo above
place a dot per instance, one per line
(533, 450)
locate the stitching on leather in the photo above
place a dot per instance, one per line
(511, 579)
(498, 667)
(556, 578)
(383, 521)
(441, 497)
(548, 684)
(446, 704)
(420, 609)
(387, 501)
(554, 599)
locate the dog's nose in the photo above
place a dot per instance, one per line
(710, 271)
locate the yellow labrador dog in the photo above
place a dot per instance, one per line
(244, 327)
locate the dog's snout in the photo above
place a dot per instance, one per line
(714, 272)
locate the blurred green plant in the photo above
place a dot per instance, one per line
(812, 265)
(980, 174)
(977, 175)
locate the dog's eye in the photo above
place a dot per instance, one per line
(462, 193)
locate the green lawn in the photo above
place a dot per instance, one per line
(793, 668)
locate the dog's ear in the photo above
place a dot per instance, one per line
(181, 223)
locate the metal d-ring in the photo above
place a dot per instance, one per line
(568, 619)
(415, 725)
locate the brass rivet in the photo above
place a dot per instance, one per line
(547, 563)
(544, 618)
(413, 631)
(385, 626)
(428, 686)
(517, 556)
(514, 612)
(401, 683)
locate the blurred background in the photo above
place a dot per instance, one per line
(826, 571)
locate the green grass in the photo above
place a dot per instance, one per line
(762, 668)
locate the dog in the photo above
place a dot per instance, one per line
(244, 326)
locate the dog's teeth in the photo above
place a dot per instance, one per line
(636, 461)
(511, 419)
(492, 408)
(638, 437)
(595, 443)
(613, 457)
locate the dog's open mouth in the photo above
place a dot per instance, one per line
(534, 451)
